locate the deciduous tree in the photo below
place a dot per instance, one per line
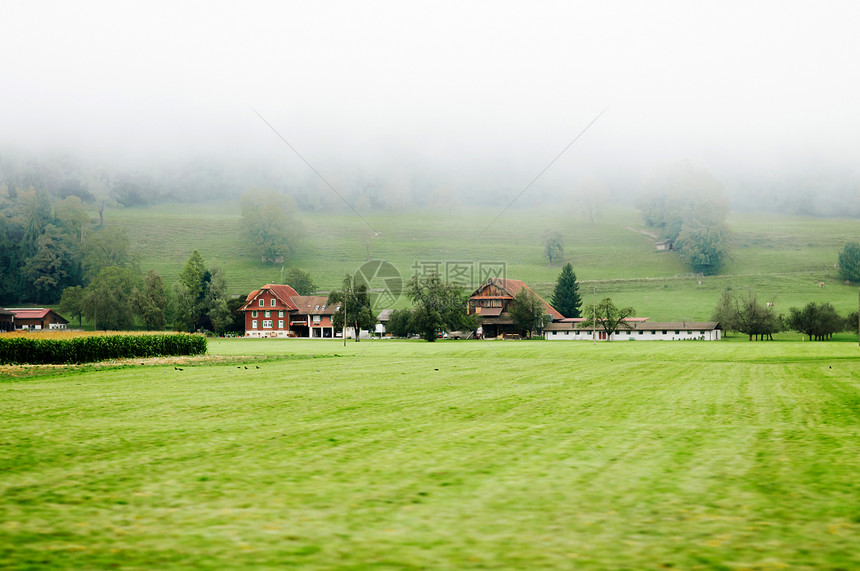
(849, 262)
(269, 223)
(438, 306)
(553, 249)
(609, 317)
(354, 303)
(151, 303)
(528, 312)
(107, 299)
(300, 281)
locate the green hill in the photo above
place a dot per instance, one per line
(783, 259)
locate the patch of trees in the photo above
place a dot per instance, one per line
(437, 307)
(688, 206)
(817, 321)
(849, 262)
(745, 314)
(117, 298)
(269, 224)
(200, 297)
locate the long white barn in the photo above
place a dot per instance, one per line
(571, 329)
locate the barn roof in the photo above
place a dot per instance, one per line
(282, 293)
(511, 288)
(34, 313)
(314, 304)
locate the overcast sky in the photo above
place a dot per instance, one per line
(450, 83)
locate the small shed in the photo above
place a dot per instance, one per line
(37, 318)
(665, 245)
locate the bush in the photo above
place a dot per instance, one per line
(97, 348)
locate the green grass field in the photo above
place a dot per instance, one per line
(447, 455)
(783, 259)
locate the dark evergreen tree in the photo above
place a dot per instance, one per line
(565, 296)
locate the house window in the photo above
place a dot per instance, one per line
(262, 302)
(280, 324)
(641, 333)
(555, 332)
(254, 313)
(316, 318)
(273, 302)
(268, 313)
(254, 324)
(280, 313)
(664, 332)
(677, 332)
(267, 324)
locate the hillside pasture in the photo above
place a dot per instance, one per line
(447, 455)
(782, 258)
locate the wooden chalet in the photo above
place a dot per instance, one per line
(37, 318)
(491, 302)
(277, 310)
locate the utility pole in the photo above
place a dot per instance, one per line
(594, 316)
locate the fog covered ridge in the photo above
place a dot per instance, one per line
(396, 104)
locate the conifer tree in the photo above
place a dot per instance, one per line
(565, 296)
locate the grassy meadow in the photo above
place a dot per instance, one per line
(782, 258)
(447, 455)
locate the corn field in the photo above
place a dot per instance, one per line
(79, 347)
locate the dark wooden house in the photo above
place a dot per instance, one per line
(491, 302)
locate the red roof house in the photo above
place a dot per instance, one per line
(37, 318)
(277, 310)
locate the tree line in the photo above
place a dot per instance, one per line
(745, 314)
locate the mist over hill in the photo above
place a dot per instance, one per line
(396, 106)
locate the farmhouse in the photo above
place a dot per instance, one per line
(37, 318)
(277, 310)
(491, 302)
(572, 329)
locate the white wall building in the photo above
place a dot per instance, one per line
(640, 330)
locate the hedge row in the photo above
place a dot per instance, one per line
(97, 348)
